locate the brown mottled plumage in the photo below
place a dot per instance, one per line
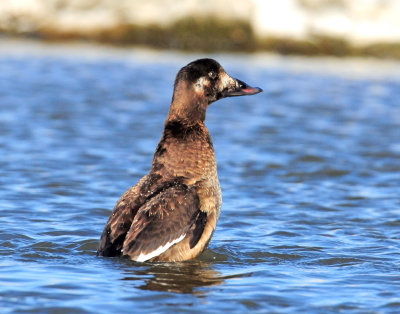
(172, 212)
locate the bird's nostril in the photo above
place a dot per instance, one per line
(242, 84)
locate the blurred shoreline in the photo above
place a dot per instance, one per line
(287, 27)
(348, 67)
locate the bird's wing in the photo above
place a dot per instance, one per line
(122, 216)
(166, 219)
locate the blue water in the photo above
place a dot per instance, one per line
(310, 174)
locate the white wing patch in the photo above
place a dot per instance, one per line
(145, 257)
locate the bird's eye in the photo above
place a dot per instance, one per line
(212, 74)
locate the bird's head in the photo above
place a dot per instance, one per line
(202, 82)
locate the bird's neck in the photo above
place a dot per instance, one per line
(187, 107)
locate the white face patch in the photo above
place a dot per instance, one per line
(198, 86)
(226, 81)
(145, 257)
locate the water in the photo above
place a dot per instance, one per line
(310, 173)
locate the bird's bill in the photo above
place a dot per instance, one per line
(240, 88)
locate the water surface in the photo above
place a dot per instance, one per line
(310, 173)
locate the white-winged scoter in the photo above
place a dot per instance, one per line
(172, 212)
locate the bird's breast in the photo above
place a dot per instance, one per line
(193, 159)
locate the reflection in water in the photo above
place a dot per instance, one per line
(183, 277)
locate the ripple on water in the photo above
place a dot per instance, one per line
(309, 171)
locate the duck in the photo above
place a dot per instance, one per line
(171, 214)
